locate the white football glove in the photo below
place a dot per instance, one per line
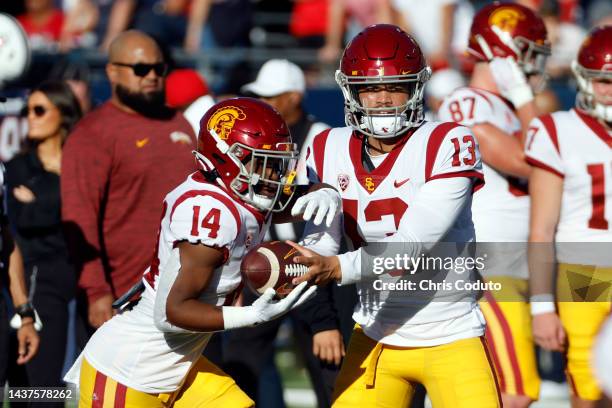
(266, 308)
(326, 201)
(511, 81)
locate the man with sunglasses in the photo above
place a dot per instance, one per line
(118, 163)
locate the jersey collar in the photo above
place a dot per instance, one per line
(371, 180)
(595, 126)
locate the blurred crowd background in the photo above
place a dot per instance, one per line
(226, 41)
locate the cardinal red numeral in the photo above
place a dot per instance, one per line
(211, 221)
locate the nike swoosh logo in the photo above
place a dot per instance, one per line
(140, 143)
(398, 184)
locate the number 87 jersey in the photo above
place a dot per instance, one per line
(577, 148)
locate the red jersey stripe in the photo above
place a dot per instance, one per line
(433, 145)
(551, 129)
(540, 165)
(318, 146)
(596, 127)
(218, 196)
(478, 177)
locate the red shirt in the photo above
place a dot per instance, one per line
(117, 168)
(51, 29)
(309, 17)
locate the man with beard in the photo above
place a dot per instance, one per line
(118, 164)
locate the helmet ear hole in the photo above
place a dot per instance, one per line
(218, 158)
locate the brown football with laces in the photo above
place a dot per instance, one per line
(270, 265)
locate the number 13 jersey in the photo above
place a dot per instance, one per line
(375, 201)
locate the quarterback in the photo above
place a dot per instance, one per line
(509, 44)
(571, 190)
(402, 180)
(151, 355)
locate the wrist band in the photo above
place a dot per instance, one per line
(25, 310)
(542, 303)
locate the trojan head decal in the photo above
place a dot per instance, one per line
(223, 120)
(506, 18)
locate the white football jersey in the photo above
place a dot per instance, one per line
(500, 210)
(577, 148)
(373, 204)
(131, 348)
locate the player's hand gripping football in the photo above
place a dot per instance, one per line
(548, 331)
(266, 308)
(321, 269)
(325, 201)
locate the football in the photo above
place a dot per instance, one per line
(270, 265)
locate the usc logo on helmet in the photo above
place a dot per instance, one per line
(224, 119)
(506, 18)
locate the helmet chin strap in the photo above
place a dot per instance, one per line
(206, 164)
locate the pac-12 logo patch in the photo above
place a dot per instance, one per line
(224, 119)
(343, 181)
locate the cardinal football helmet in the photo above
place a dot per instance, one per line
(510, 30)
(383, 54)
(245, 145)
(594, 61)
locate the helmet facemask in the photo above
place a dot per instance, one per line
(383, 122)
(266, 191)
(532, 59)
(586, 98)
(265, 178)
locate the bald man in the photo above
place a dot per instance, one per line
(117, 166)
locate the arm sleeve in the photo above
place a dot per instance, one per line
(86, 168)
(320, 313)
(542, 147)
(323, 240)
(453, 153)
(306, 151)
(433, 212)
(314, 159)
(205, 219)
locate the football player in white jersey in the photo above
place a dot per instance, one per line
(405, 181)
(571, 191)
(151, 355)
(509, 44)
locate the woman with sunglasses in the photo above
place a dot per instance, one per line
(33, 191)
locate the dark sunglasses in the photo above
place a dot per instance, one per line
(39, 110)
(142, 70)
